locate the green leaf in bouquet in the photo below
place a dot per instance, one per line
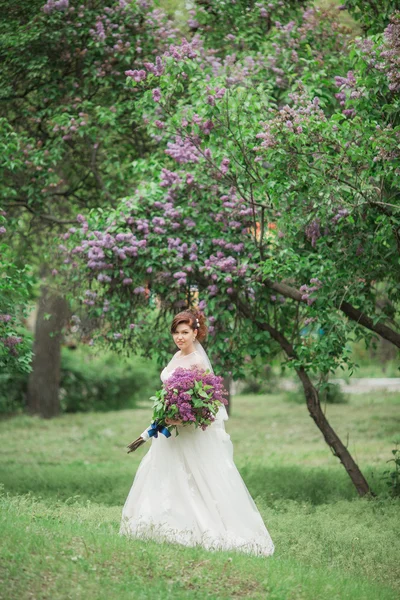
(198, 403)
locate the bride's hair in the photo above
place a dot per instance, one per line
(190, 317)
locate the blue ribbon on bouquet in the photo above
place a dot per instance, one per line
(155, 428)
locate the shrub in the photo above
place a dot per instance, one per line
(104, 383)
(88, 383)
(329, 392)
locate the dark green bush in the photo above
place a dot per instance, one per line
(104, 383)
(329, 392)
(259, 377)
(88, 382)
(12, 392)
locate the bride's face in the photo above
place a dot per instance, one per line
(184, 336)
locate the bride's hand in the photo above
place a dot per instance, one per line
(172, 422)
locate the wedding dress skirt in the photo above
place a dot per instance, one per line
(188, 490)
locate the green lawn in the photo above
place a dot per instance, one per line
(64, 483)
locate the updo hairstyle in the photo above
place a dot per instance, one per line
(190, 317)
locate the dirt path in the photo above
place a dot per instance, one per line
(369, 384)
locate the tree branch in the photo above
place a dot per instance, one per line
(348, 309)
(50, 218)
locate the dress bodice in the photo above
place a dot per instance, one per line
(184, 361)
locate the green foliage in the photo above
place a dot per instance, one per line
(307, 188)
(259, 378)
(15, 292)
(73, 133)
(392, 476)
(104, 383)
(243, 24)
(13, 387)
(68, 130)
(88, 383)
(293, 121)
(373, 16)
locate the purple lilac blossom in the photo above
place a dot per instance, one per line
(178, 386)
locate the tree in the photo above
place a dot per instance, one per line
(69, 135)
(240, 218)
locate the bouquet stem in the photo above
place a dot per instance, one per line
(135, 444)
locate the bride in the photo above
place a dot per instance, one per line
(187, 489)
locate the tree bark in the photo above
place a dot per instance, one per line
(44, 380)
(332, 439)
(228, 386)
(314, 408)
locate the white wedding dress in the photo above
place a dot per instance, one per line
(188, 490)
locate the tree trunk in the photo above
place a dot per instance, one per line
(314, 407)
(332, 439)
(44, 380)
(228, 386)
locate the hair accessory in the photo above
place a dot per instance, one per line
(197, 324)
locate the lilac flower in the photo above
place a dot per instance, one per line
(313, 231)
(11, 341)
(137, 75)
(156, 94)
(156, 69)
(341, 213)
(182, 401)
(55, 5)
(169, 178)
(309, 320)
(224, 165)
(183, 151)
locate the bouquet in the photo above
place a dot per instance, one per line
(190, 396)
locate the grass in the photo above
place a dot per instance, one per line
(65, 481)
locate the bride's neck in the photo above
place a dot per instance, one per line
(190, 351)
